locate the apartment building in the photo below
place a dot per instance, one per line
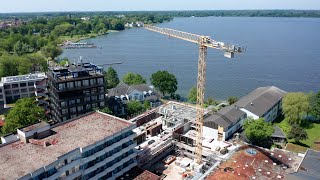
(13, 88)
(75, 90)
(91, 146)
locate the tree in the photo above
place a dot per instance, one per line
(134, 107)
(147, 105)
(117, 24)
(295, 105)
(9, 65)
(297, 133)
(133, 79)
(64, 61)
(192, 96)
(232, 99)
(20, 48)
(111, 78)
(25, 112)
(257, 131)
(51, 51)
(315, 105)
(164, 82)
(106, 110)
(211, 101)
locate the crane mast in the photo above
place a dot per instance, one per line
(204, 42)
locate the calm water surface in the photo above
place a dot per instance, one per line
(283, 52)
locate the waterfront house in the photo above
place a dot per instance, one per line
(264, 102)
(124, 93)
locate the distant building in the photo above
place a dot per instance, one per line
(85, 18)
(13, 88)
(93, 146)
(264, 102)
(124, 93)
(139, 24)
(75, 90)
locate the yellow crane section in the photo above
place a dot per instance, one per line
(204, 42)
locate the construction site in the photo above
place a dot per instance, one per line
(166, 142)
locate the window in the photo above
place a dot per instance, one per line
(73, 110)
(93, 90)
(15, 85)
(85, 82)
(64, 111)
(86, 92)
(62, 86)
(63, 103)
(7, 92)
(86, 99)
(101, 89)
(70, 85)
(93, 81)
(77, 84)
(93, 98)
(1, 97)
(72, 102)
(31, 89)
(64, 118)
(94, 105)
(30, 83)
(16, 97)
(0, 90)
(7, 86)
(88, 106)
(101, 104)
(78, 101)
(24, 90)
(80, 108)
(101, 96)
(16, 91)
(100, 81)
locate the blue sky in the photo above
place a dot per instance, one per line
(130, 5)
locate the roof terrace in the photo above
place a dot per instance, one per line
(18, 159)
(75, 71)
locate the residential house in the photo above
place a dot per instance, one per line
(124, 93)
(264, 102)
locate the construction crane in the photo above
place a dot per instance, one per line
(204, 42)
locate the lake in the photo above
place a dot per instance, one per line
(282, 52)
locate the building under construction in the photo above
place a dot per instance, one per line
(170, 129)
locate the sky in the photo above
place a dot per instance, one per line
(138, 5)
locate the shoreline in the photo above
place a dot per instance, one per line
(78, 38)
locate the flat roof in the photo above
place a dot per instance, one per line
(20, 78)
(35, 126)
(18, 159)
(309, 167)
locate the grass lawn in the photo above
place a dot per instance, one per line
(313, 131)
(76, 38)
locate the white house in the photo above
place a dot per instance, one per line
(264, 102)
